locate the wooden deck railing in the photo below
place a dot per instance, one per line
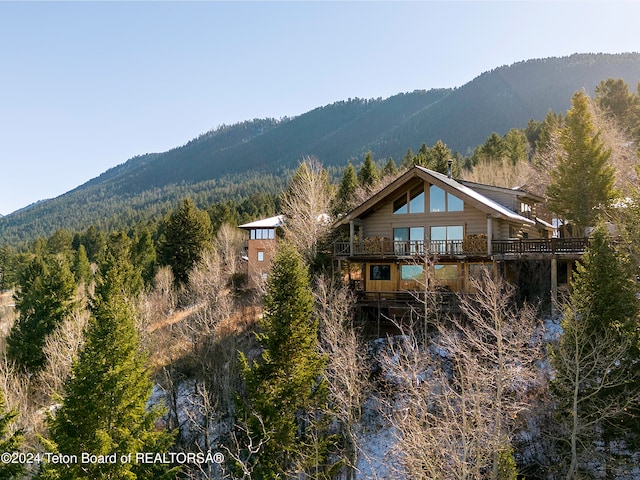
(389, 248)
(540, 245)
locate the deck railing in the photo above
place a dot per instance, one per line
(386, 247)
(540, 245)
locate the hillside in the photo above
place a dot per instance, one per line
(236, 161)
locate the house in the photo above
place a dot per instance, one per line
(261, 247)
(426, 231)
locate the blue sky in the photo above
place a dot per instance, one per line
(84, 86)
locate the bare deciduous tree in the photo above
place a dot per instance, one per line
(347, 372)
(61, 348)
(306, 204)
(460, 393)
(587, 368)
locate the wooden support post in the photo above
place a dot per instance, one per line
(489, 233)
(351, 235)
(554, 286)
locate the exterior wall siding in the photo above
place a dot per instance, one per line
(258, 268)
(382, 222)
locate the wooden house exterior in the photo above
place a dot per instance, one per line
(261, 248)
(427, 231)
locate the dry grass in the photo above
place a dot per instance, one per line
(499, 173)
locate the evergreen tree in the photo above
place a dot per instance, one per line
(45, 297)
(438, 160)
(144, 255)
(595, 382)
(7, 267)
(60, 243)
(603, 287)
(582, 182)
(547, 131)
(614, 97)
(347, 188)
(422, 157)
(81, 266)
(9, 442)
(187, 232)
(516, 146)
(284, 388)
(390, 169)
(494, 148)
(94, 241)
(407, 160)
(119, 245)
(104, 409)
(368, 175)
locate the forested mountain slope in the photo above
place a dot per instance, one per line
(233, 162)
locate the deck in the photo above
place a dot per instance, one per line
(384, 248)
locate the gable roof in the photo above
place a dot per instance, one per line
(519, 191)
(462, 191)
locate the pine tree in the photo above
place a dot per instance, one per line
(390, 169)
(81, 266)
(438, 159)
(345, 193)
(45, 297)
(494, 148)
(144, 255)
(284, 388)
(595, 360)
(104, 408)
(408, 159)
(603, 288)
(582, 182)
(368, 175)
(516, 146)
(9, 442)
(187, 232)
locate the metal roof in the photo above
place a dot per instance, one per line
(271, 222)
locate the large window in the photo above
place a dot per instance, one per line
(445, 273)
(447, 239)
(408, 240)
(441, 201)
(411, 272)
(410, 202)
(380, 272)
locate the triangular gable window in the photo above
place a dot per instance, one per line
(441, 201)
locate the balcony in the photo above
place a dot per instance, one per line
(382, 247)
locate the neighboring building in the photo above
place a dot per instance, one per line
(426, 231)
(261, 248)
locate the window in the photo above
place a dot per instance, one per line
(446, 273)
(454, 204)
(441, 201)
(410, 202)
(416, 201)
(265, 276)
(411, 272)
(260, 256)
(437, 199)
(447, 239)
(525, 210)
(262, 234)
(408, 240)
(400, 206)
(380, 272)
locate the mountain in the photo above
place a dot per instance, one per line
(234, 162)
